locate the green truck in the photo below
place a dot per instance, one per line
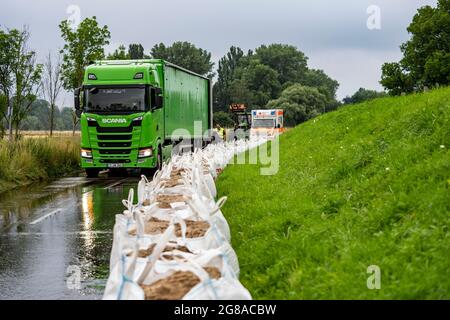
(133, 112)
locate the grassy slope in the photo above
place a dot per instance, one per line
(33, 159)
(367, 184)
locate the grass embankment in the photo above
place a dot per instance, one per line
(30, 159)
(368, 184)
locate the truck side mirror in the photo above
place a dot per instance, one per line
(159, 102)
(156, 99)
(76, 95)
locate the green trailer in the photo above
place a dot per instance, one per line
(132, 112)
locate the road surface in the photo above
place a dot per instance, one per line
(55, 239)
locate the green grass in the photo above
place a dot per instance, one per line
(36, 159)
(368, 184)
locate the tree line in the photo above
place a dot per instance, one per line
(426, 56)
(270, 76)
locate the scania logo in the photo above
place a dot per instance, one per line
(114, 120)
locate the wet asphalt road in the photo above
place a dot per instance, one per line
(55, 239)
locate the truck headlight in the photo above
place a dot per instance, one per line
(86, 153)
(145, 152)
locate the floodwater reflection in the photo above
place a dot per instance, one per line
(35, 258)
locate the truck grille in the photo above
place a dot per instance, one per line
(114, 129)
(114, 137)
(114, 144)
(114, 151)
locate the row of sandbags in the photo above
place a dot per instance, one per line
(174, 243)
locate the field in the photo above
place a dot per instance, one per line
(368, 184)
(29, 160)
(43, 134)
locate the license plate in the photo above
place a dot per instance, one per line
(115, 165)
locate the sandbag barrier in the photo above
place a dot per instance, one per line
(175, 242)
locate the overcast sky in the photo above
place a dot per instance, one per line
(333, 34)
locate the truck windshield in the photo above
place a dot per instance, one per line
(115, 99)
(263, 123)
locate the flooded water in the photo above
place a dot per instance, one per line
(55, 239)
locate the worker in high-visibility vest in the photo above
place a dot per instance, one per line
(220, 131)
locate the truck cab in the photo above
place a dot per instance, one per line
(125, 109)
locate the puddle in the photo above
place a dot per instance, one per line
(64, 254)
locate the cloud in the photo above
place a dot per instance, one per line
(359, 67)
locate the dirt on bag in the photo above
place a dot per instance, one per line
(170, 183)
(177, 285)
(177, 173)
(164, 200)
(194, 229)
(144, 253)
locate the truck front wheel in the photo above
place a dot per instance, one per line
(92, 172)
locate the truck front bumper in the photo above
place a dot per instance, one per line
(148, 162)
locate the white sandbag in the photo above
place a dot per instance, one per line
(120, 285)
(196, 187)
(227, 287)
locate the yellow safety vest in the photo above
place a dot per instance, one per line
(222, 133)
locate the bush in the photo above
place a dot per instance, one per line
(223, 118)
(299, 103)
(32, 159)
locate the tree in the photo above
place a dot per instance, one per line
(240, 93)
(260, 76)
(119, 54)
(32, 123)
(299, 103)
(75, 121)
(186, 55)
(289, 62)
(83, 45)
(262, 80)
(6, 83)
(3, 107)
(136, 51)
(20, 76)
(225, 76)
(318, 79)
(363, 95)
(52, 84)
(67, 119)
(223, 118)
(41, 110)
(7, 59)
(426, 56)
(396, 79)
